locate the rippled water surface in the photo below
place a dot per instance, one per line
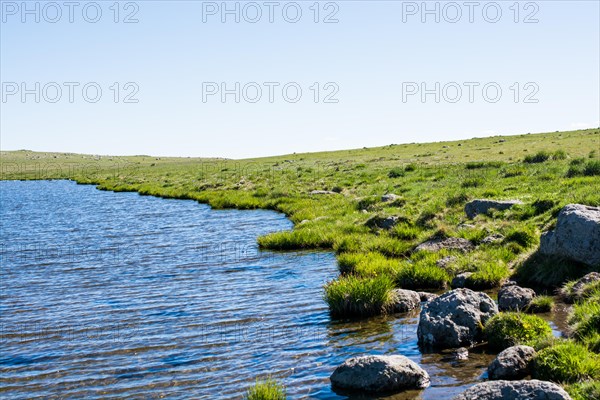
(117, 295)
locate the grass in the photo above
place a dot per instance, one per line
(352, 296)
(511, 328)
(567, 362)
(589, 390)
(266, 390)
(541, 304)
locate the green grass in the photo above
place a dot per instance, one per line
(422, 276)
(509, 329)
(538, 157)
(541, 304)
(567, 362)
(266, 390)
(589, 390)
(352, 296)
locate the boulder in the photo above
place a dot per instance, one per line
(512, 363)
(576, 236)
(317, 192)
(438, 244)
(494, 238)
(455, 319)
(405, 300)
(460, 280)
(514, 298)
(390, 197)
(380, 374)
(513, 390)
(426, 296)
(482, 206)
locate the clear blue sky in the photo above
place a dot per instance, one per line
(377, 53)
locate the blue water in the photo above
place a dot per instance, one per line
(117, 295)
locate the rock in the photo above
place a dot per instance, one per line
(385, 223)
(512, 363)
(405, 300)
(438, 244)
(455, 319)
(426, 296)
(577, 291)
(466, 226)
(444, 262)
(389, 197)
(501, 141)
(460, 354)
(380, 374)
(514, 298)
(509, 283)
(317, 192)
(480, 206)
(576, 236)
(514, 390)
(460, 280)
(495, 238)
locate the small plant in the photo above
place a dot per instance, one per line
(471, 183)
(539, 157)
(351, 296)
(541, 304)
(422, 276)
(559, 155)
(269, 389)
(509, 329)
(458, 199)
(410, 167)
(523, 237)
(568, 362)
(592, 168)
(396, 172)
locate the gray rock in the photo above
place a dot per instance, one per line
(455, 319)
(512, 363)
(460, 280)
(438, 244)
(444, 262)
(389, 197)
(405, 300)
(481, 206)
(385, 223)
(426, 296)
(495, 238)
(576, 236)
(514, 298)
(380, 374)
(577, 291)
(317, 192)
(460, 354)
(514, 390)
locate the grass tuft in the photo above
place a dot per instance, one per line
(511, 328)
(568, 362)
(266, 390)
(352, 296)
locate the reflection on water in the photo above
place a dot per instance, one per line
(116, 295)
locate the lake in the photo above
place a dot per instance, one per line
(117, 295)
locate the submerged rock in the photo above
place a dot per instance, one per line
(576, 236)
(455, 319)
(514, 390)
(512, 363)
(405, 300)
(481, 206)
(380, 374)
(514, 298)
(438, 244)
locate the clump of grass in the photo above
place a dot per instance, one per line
(410, 167)
(396, 172)
(405, 231)
(488, 276)
(422, 276)
(547, 271)
(589, 390)
(540, 304)
(483, 164)
(297, 239)
(539, 157)
(585, 319)
(511, 328)
(568, 362)
(269, 389)
(559, 155)
(366, 264)
(524, 237)
(352, 296)
(472, 183)
(591, 168)
(458, 199)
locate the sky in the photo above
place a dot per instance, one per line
(247, 79)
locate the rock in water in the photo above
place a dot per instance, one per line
(514, 390)
(512, 363)
(514, 298)
(576, 236)
(475, 207)
(380, 374)
(405, 300)
(455, 319)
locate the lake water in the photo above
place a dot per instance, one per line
(117, 295)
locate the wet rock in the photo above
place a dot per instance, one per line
(455, 319)
(482, 206)
(444, 262)
(460, 354)
(514, 298)
(380, 374)
(390, 197)
(460, 280)
(438, 244)
(319, 192)
(514, 390)
(495, 238)
(426, 296)
(512, 363)
(405, 300)
(576, 236)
